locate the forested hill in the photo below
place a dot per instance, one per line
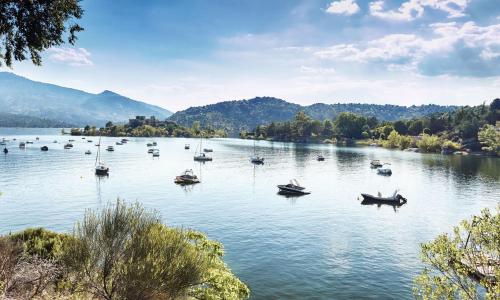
(14, 120)
(235, 116)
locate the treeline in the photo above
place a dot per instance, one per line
(122, 252)
(169, 129)
(467, 127)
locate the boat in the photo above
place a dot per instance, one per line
(156, 152)
(124, 141)
(293, 188)
(186, 146)
(5, 150)
(68, 146)
(384, 170)
(119, 143)
(255, 158)
(187, 177)
(154, 144)
(200, 156)
(149, 145)
(208, 150)
(89, 141)
(71, 141)
(150, 150)
(100, 167)
(22, 145)
(3, 143)
(320, 158)
(88, 152)
(110, 148)
(29, 142)
(376, 163)
(37, 138)
(55, 142)
(394, 199)
(44, 148)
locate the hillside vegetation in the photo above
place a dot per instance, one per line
(245, 115)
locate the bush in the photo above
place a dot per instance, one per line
(450, 146)
(125, 252)
(427, 131)
(429, 143)
(41, 242)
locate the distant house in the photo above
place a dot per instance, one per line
(142, 120)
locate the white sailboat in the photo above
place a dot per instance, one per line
(199, 155)
(100, 166)
(255, 158)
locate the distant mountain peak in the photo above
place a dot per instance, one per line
(109, 93)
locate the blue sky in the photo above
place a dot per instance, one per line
(185, 53)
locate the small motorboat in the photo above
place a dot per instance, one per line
(150, 151)
(37, 138)
(376, 163)
(83, 138)
(202, 157)
(187, 177)
(55, 142)
(68, 146)
(384, 171)
(44, 148)
(124, 141)
(186, 146)
(71, 141)
(320, 158)
(257, 160)
(89, 141)
(88, 152)
(154, 144)
(208, 150)
(293, 188)
(149, 144)
(5, 150)
(3, 143)
(110, 149)
(101, 169)
(119, 143)
(156, 152)
(395, 199)
(29, 142)
(22, 145)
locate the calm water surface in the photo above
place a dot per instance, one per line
(322, 246)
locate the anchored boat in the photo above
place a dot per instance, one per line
(187, 177)
(395, 199)
(320, 158)
(293, 188)
(376, 163)
(100, 166)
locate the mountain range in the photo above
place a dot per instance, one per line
(235, 116)
(31, 100)
(24, 102)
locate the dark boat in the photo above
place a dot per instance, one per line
(376, 163)
(68, 146)
(395, 199)
(293, 188)
(44, 148)
(186, 146)
(5, 150)
(321, 158)
(187, 177)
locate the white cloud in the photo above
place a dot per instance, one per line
(317, 70)
(72, 56)
(410, 50)
(345, 7)
(414, 9)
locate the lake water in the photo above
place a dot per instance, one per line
(325, 245)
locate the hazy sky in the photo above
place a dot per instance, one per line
(181, 53)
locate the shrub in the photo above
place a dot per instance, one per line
(41, 242)
(451, 146)
(427, 131)
(125, 252)
(429, 143)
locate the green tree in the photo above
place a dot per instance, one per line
(400, 127)
(460, 265)
(415, 127)
(349, 125)
(29, 27)
(489, 136)
(429, 143)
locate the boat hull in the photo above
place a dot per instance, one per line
(370, 199)
(285, 190)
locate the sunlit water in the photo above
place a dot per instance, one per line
(325, 245)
